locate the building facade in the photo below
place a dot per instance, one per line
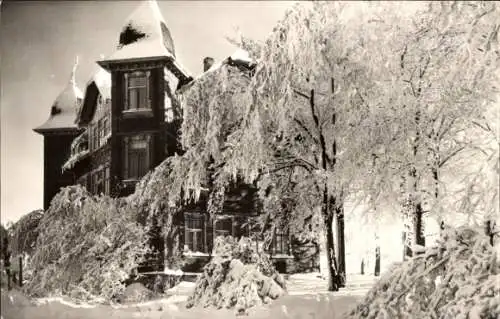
(126, 122)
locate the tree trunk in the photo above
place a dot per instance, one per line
(340, 244)
(489, 229)
(377, 261)
(414, 208)
(331, 269)
(435, 177)
(377, 253)
(418, 225)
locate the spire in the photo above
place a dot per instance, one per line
(73, 72)
(64, 108)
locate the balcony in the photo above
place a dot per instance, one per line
(79, 150)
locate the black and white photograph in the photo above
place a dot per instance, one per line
(259, 159)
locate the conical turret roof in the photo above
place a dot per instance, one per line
(144, 34)
(64, 109)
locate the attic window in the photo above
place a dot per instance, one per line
(130, 35)
(55, 110)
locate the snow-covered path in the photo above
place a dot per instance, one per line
(305, 284)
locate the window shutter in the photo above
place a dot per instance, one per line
(125, 86)
(148, 91)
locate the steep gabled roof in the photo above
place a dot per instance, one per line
(144, 34)
(102, 80)
(99, 83)
(64, 108)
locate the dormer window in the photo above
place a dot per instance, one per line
(137, 92)
(55, 110)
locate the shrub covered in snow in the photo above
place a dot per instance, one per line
(24, 233)
(237, 277)
(456, 279)
(87, 246)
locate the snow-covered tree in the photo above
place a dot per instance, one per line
(24, 233)
(438, 71)
(87, 246)
(306, 114)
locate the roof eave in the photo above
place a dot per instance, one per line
(107, 63)
(42, 131)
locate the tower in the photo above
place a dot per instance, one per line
(144, 77)
(58, 133)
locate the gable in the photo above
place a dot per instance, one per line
(89, 104)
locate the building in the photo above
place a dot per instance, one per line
(126, 122)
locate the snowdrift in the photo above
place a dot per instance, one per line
(459, 278)
(237, 277)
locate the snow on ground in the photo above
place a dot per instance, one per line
(307, 299)
(309, 306)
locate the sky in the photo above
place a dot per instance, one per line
(39, 43)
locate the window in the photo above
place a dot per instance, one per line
(107, 181)
(95, 136)
(194, 232)
(99, 132)
(241, 227)
(103, 128)
(93, 183)
(136, 91)
(136, 162)
(106, 128)
(83, 181)
(223, 227)
(169, 111)
(98, 182)
(280, 243)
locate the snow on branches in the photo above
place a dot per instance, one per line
(456, 279)
(237, 277)
(87, 246)
(24, 233)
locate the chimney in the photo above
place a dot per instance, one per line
(207, 63)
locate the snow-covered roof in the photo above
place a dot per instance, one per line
(239, 57)
(102, 80)
(64, 109)
(242, 55)
(156, 40)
